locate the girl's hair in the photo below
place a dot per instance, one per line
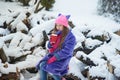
(63, 35)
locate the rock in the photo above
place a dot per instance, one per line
(3, 56)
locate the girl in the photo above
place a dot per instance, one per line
(61, 46)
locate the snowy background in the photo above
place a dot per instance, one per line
(96, 37)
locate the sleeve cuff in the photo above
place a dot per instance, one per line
(57, 56)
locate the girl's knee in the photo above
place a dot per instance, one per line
(41, 64)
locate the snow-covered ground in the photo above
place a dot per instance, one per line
(83, 15)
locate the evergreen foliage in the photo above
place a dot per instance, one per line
(111, 7)
(25, 2)
(47, 4)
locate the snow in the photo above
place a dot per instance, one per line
(76, 69)
(80, 53)
(25, 40)
(85, 18)
(91, 43)
(117, 72)
(1, 43)
(21, 26)
(47, 26)
(4, 32)
(99, 71)
(79, 36)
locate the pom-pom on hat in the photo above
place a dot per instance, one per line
(62, 19)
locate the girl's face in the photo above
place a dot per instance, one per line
(59, 27)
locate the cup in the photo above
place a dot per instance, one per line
(53, 38)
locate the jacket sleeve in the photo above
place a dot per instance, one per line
(49, 45)
(67, 48)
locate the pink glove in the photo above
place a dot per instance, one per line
(52, 59)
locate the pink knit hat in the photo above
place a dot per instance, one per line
(62, 19)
